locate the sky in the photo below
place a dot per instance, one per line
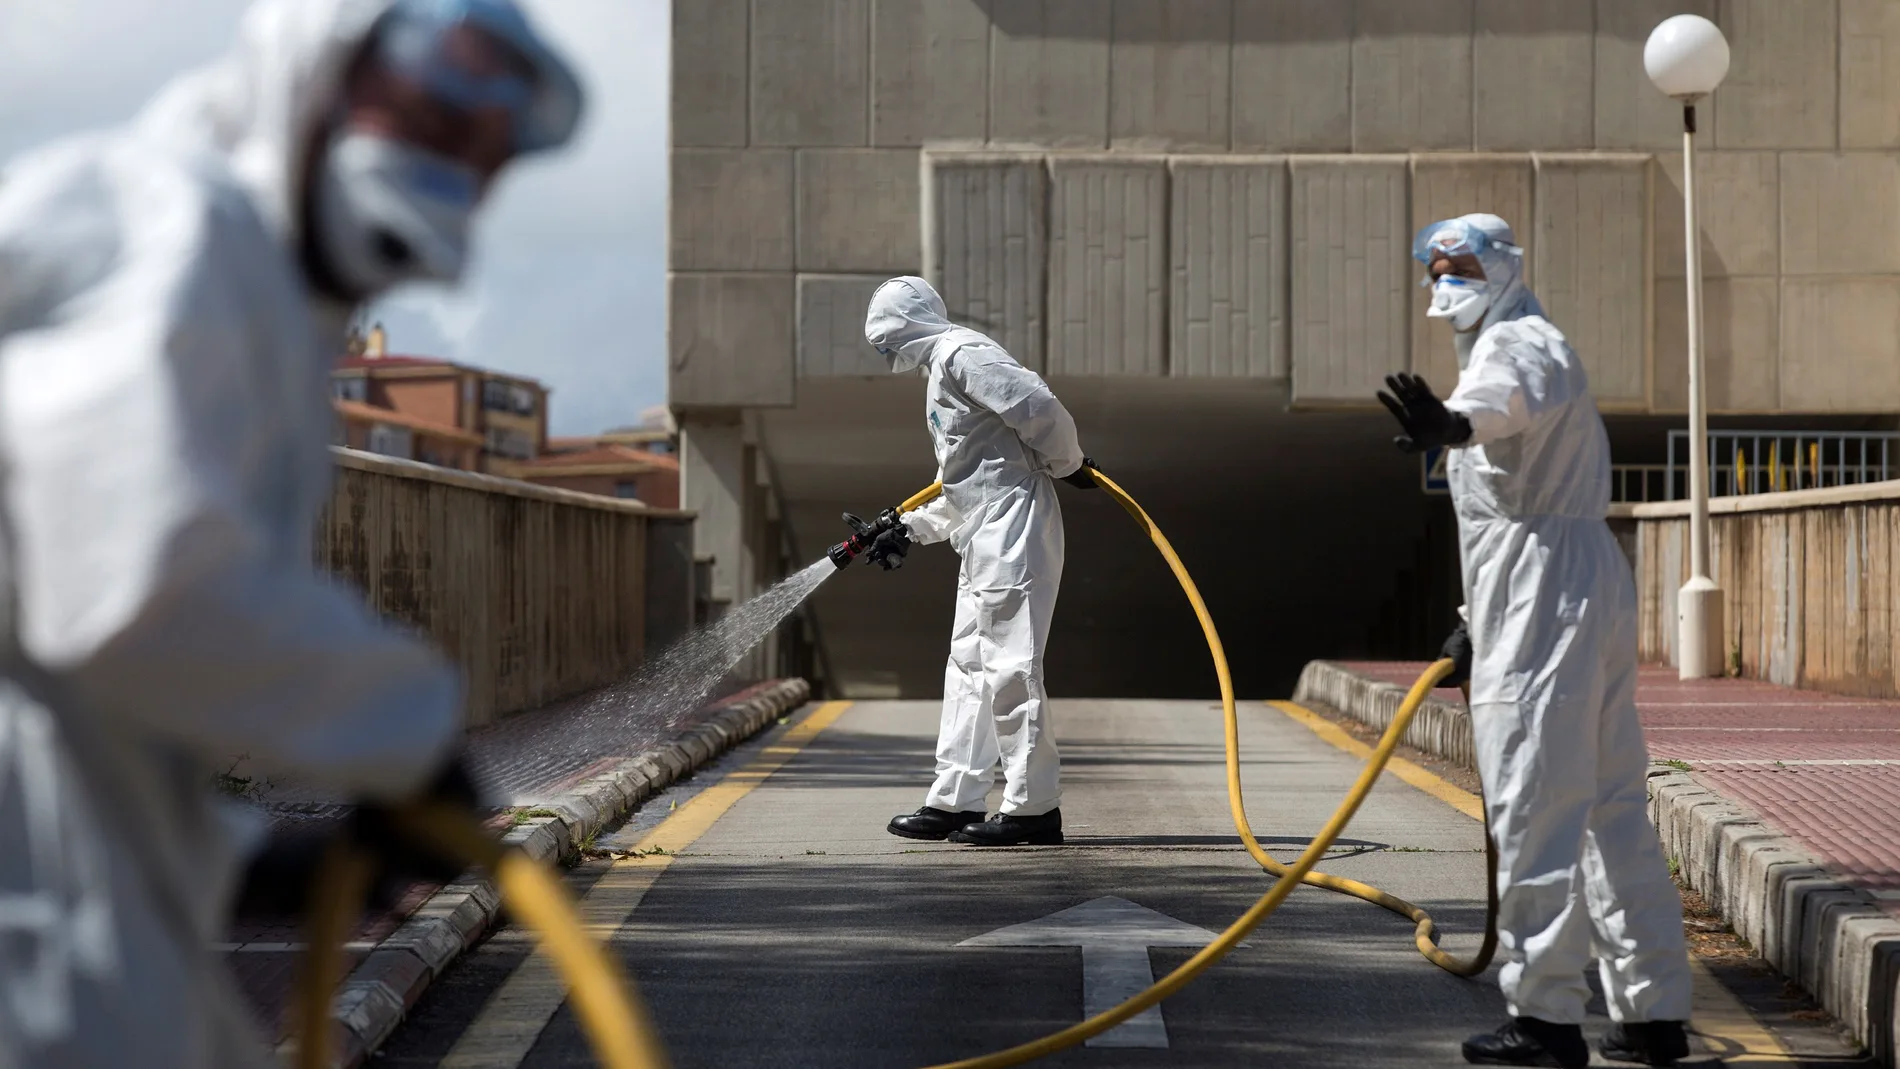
(568, 282)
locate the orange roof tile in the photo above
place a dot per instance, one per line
(352, 363)
(358, 411)
(601, 456)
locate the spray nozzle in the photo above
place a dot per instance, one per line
(886, 540)
(862, 535)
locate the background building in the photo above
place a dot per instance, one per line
(631, 464)
(443, 413)
(504, 416)
(1193, 217)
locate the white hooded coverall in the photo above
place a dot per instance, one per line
(1000, 437)
(1552, 609)
(164, 431)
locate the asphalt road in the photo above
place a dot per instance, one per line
(779, 925)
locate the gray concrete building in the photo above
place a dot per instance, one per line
(1193, 217)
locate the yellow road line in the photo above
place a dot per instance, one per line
(1726, 1026)
(1731, 1032)
(515, 1015)
(1462, 800)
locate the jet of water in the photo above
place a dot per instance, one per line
(681, 678)
(632, 714)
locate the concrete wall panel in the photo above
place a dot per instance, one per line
(1448, 186)
(1351, 276)
(930, 72)
(1782, 84)
(729, 340)
(1049, 62)
(1840, 213)
(858, 211)
(1870, 73)
(716, 483)
(986, 246)
(1840, 344)
(1168, 83)
(1630, 112)
(730, 210)
(709, 72)
(1229, 289)
(811, 72)
(1411, 75)
(1738, 202)
(1108, 224)
(831, 326)
(1548, 44)
(1741, 321)
(1592, 266)
(1292, 76)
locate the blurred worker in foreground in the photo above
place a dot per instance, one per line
(172, 296)
(1550, 646)
(1001, 439)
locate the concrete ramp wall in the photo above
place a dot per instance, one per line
(538, 594)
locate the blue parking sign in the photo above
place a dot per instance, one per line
(1431, 471)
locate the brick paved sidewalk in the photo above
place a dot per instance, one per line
(524, 760)
(1823, 769)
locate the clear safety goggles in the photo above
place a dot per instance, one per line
(1453, 238)
(481, 54)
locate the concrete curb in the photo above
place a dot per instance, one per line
(1832, 938)
(1442, 729)
(389, 981)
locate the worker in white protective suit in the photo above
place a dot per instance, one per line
(1550, 645)
(173, 294)
(1002, 439)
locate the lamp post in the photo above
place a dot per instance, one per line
(1687, 57)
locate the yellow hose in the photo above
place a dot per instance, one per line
(342, 883)
(616, 1020)
(1426, 933)
(1302, 871)
(921, 498)
(1249, 920)
(605, 999)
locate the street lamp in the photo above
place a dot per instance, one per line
(1687, 57)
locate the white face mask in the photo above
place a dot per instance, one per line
(388, 212)
(1461, 300)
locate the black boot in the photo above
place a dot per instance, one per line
(1646, 1042)
(1007, 829)
(932, 824)
(1529, 1041)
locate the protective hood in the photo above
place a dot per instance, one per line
(256, 107)
(904, 321)
(1505, 270)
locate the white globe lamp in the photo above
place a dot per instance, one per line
(1687, 57)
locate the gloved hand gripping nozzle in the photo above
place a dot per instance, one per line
(887, 540)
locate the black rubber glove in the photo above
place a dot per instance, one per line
(1080, 477)
(280, 877)
(888, 549)
(1427, 422)
(398, 855)
(1457, 649)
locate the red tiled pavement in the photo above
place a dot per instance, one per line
(525, 759)
(1822, 768)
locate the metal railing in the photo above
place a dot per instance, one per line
(1635, 483)
(1760, 462)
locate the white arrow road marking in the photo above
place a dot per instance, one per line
(1114, 935)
